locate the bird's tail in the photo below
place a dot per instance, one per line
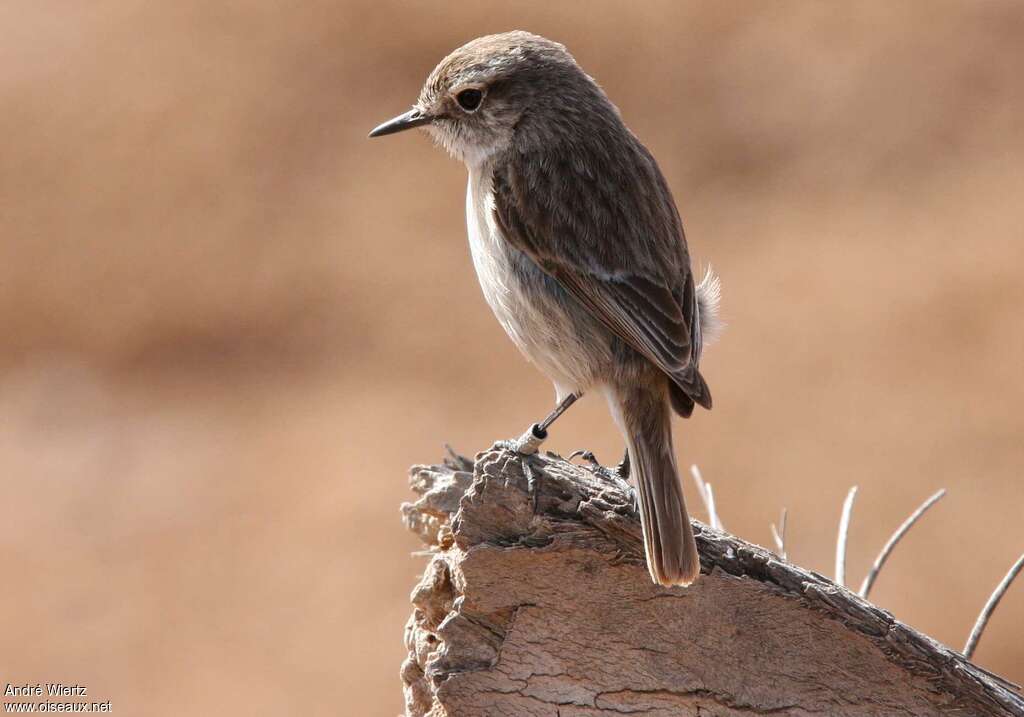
(644, 419)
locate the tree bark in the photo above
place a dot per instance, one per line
(540, 604)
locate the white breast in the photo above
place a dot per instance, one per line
(542, 333)
(490, 258)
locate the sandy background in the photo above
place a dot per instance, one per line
(230, 322)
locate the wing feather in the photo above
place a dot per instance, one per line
(608, 232)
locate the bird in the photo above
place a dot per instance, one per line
(580, 253)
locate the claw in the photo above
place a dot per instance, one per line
(623, 468)
(586, 455)
(531, 482)
(595, 466)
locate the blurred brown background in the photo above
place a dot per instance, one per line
(231, 322)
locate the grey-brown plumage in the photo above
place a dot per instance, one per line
(580, 253)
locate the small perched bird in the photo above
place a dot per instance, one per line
(580, 253)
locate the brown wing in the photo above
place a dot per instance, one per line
(607, 230)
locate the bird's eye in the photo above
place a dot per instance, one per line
(469, 100)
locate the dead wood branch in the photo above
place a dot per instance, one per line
(541, 605)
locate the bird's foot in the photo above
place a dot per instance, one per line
(616, 476)
(595, 465)
(525, 446)
(619, 472)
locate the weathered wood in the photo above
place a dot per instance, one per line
(541, 605)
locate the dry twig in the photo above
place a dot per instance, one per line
(844, 531)
(779, 534)
(887, 549)
(707, 495)
(990, 606)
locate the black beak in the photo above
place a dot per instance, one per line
(412, 118)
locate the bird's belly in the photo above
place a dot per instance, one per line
(550, 329)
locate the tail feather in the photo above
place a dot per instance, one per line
(671, 551)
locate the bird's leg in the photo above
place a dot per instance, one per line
(528, 443)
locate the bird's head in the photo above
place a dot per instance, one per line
(491, 89)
